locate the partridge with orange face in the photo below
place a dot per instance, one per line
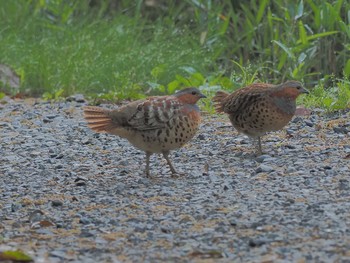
(155, 125)
(260, 107)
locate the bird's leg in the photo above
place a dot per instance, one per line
(166, 156)
(259, 146)
(148, 156)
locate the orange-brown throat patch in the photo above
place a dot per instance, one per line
(188, 99)
(288, 92)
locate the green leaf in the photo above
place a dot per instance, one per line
(156, 86)
(269, 19)
(2, 95)
(47, 96)
(302, 33)
(300, 10)
(157, 71)
(224, 26)
(327, 102)
(261, 11)
(301, 57)
(317, 13)
(58, 93)
(189, 70)
(199, 77)
(249, 16)
(338, 6)
(183, 80)
(244, 73)
(345, 28)
(330, 15)
(286, 49)
(282, 61)
(172, 86)
(315, 36)
(297, 70)
(15, 256)
(347, 69)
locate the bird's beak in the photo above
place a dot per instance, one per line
(305, 91)
(202, 96)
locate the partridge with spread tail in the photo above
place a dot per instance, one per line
(260, 107)
(157, 124)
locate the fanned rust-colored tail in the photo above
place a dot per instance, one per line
(218, 100)
(98, 119)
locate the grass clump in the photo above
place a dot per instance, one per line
(93, 56)
(131, 49)
(336, 97)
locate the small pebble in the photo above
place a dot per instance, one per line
(84, 221)
(56, 203)
(261, 158)
(263, 168)
(291, 170)
(309, 123)
(341, 130)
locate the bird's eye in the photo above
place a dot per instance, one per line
(194, 92)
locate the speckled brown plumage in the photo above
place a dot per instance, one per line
(155, 125)
(260, 107)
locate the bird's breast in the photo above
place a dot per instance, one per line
(285, 105)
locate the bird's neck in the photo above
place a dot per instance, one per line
(285, 104)
(192, 107)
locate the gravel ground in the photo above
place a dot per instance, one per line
(70, 195)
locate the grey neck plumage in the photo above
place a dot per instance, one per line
(287, 105)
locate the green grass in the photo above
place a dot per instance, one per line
(95, 56)
(335, 98)
(116, 50)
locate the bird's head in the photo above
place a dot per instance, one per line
(189, 95)
(291, 89)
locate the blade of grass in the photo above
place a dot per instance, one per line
(302, 34)
(285, 49)
(320, 35)
(261, 11)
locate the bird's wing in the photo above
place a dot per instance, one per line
(153, 113)
(240, 99)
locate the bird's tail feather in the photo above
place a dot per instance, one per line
(98, 119)
(218, 100)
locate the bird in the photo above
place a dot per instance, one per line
(157, 124)
(260, 107)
